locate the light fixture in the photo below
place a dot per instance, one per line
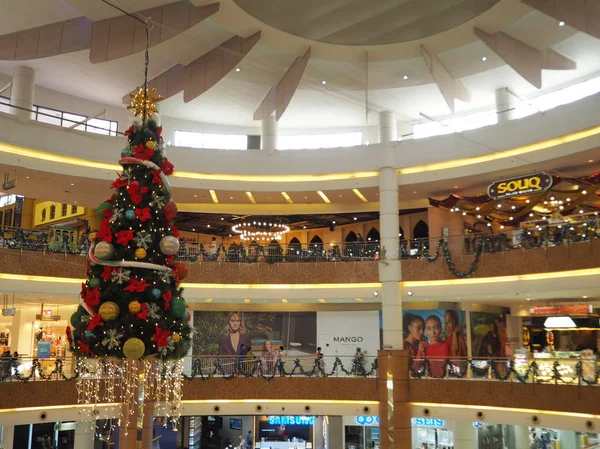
(355, 218)
(561, 24)
(333, 222)
(194, 229)
(214, 196)
(237, 69)
(405, 77)
(376, 293)
(359, 194)
(261, 228)
(409, 293)
(323, 196)
(484, 58)
(584, 192)
(323, 82)
(559, 322)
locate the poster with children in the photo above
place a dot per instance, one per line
(435, 333)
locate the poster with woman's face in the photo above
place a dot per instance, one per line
(224, 333)
(488, 334)
(437, 332)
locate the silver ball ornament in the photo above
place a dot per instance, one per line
(104, 250)
(169, 245)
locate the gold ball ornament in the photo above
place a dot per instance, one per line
(169, 245)
(140, 253)
(176, 337)
(151, 144)
(134, 348)
(92, 236)
(135, 307)
(104, 250)
(109, 311)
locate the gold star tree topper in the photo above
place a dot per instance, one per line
(141, 101)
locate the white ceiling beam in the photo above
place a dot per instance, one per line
(210, 68)
(583, 15)
(278, 98)
(524, 59)
(450, 87)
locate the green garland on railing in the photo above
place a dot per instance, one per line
(9, 369)
(422, 368)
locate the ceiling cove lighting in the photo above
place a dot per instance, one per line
(250, 197)
(283, 300)
(322, 301)
(323, 196)
(359, 194)
(559, 322)
(214, 197)
(287, 197)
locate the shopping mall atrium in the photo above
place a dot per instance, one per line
(309, 224)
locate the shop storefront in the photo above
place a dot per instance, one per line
(285, 432)
(361, 432)
(431, 433)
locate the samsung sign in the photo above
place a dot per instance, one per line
(291, 420)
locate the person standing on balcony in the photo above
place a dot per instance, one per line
(212, 250)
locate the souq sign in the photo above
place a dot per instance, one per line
(523, 185)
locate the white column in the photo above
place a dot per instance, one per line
(389, 265)
(21, 93)
(84, 435)
(505, 103)
(568, 439)
(521, 437)
(388, 129)
(465, 435)
(268, 135)
(8, 436)
(22, 333)
(187, 360)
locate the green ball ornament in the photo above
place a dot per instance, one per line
(95, 282)
(130, 214)
(76, 318)
(101, 208)
(178, 308)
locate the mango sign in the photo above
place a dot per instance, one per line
(523, 185)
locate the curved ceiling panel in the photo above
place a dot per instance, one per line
(359, 22)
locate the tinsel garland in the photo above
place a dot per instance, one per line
(421, 368)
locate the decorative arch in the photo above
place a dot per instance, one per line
(402, 234)
(421, 230)
(373, 236)
(351, 237)
(316, 240)
(44, 214)
(52, 212)
(294, 241)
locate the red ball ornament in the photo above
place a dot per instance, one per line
(171, 209)
(182, 269)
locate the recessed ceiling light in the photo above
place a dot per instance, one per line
(237, 69)
(303, 227)
(230, 197)
(208, 226)
(26, 177)
(195, 196)
(589, 162)
(74, 202)
(194, 229)
(561, 24)
(72, 184)
(484, 58)
(415, 191)
(405, 77)
(584, 297)
(323, 82)
(333, 221)
(355, 218)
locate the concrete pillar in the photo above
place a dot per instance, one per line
(84, 435)
(395, 412)
(335, 433)
(568, 439)
(388, 129)
(268, 135)
(22, 91)
(148, 425)
(521, 437)
(505, 104)
(438, 219)
(465, 435)
(514, 332)
(8, 436)
(22, 334)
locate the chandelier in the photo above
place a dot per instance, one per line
(261, 228)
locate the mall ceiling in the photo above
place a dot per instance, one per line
(364, 59)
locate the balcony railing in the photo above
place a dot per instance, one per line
(23, 369)
(578, 371)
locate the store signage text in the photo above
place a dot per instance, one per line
(348, 339)
(367, 420)
(521, 185)
(292, 420)
(427, 422)
(562, 310)
(478, 424)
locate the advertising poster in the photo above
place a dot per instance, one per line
(346, 333)
(43, 349)
(435, 333)
(223, 333)
(488, 334)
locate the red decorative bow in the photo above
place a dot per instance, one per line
(167, 167)
(92, 297)
(83, 347)
(95, 322)
(124, 237)
(160, 337)
(143, 315)
(143, 214)
(168, 297)
(106, 274)
(156, 176)
(136, 286)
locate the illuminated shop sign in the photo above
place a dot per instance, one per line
(478, 424)
(427, 422)
(522, 185)
(367, 420)
(292, 420)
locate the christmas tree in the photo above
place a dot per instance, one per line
(131, 303)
